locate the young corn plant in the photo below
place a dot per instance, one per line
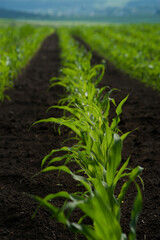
(97, 151)
(99, 204)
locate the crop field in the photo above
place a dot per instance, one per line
(134, 49)
(79, 135)
(17, 46)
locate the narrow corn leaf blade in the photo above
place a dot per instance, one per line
(114, 159)
(135, 213)
(51, 153)
(119, 174)
(59, 215)
(132, 176)
(119, 108)
(68, 123)
(56, 195)
(61, 168)
(124, 136)
(83, 229)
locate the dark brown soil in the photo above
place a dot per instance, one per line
(21, 149)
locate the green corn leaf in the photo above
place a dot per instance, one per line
(59, 215)
(106, 142)
(73, 111)
(44, 203)
(71, 138)
(58, 83)
(100, 91)
(83, 229)
(63, 194)
(52, 152)
(85, 115)
(59, 79)
(99, 67)
(58, 159)
(132, 176)
(84, 181)
(68, 123)
(119, 174)
(119, 108)
(115, 122)
(124, 136)
(106, 108)
(114, 159)
(61, 168)
(135, 213)
(96, 208)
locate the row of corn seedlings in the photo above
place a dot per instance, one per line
(17, 45)
(132, 48)
(97, 151)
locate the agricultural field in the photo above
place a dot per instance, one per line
(79, 138)
(132, 48)
(17, 46)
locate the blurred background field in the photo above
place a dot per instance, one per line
(18, 43)
(126, 32)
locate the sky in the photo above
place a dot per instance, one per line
(22, 4)
(115, 3)
(46, 5)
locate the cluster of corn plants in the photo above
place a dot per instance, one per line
(97, 150)
(17, 46)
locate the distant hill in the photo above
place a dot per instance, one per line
(149, 7)
(11, 14)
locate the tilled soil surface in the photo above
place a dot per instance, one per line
(22, 149)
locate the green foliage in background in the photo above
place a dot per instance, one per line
(134, 49)
(17, 45)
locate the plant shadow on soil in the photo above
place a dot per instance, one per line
(21, 149)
